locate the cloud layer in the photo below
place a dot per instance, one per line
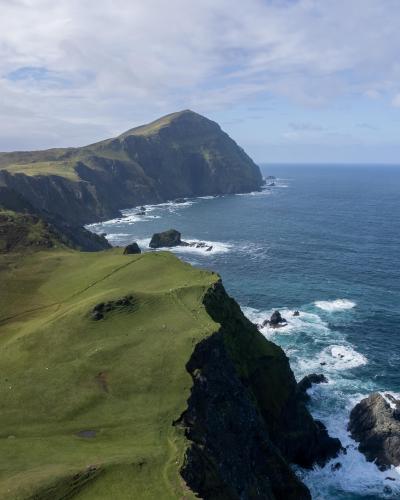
(73, 71)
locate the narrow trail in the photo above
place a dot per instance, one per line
(94, 283)
(74, 295)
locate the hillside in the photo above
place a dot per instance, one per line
(26, 232)
(180, 155)
(168, 391)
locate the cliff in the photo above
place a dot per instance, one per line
(170, 393)
(180, 155)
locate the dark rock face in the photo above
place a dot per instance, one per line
(244, 417)
(26, 231)
(231, 455)
(57, 227)
(307, 382)
(133, 248)
(170, 238)
(376, 426)
(275, 321)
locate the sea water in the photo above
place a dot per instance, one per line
(324, 240)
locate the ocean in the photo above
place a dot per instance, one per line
(323, 240)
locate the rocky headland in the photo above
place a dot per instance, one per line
(180, 155)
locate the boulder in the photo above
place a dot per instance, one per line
(375, 424)
(170, 238)
(296, 313)
(133, 248)
(307, 382)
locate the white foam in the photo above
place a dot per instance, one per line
(265, 191)
(217, 247)
(356, 475)
(305, 321)
(331, 403)
(118, 237)
(395, 395)
(335, 305)
(335, 357)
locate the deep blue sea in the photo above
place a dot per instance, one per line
(325, 240)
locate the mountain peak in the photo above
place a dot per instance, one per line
(155, 126)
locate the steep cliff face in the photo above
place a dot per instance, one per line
(27, 232)
(182, 154)
(244, 418)
(24, 227)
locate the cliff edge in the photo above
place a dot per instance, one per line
(169, 393)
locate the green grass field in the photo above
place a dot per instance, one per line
(122, 378)
(60, 168)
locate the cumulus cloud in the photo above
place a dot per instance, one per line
(73, 70)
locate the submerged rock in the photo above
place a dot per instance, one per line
(170, 238)
(131, 249)
(296, 313)
(307, 382)
(375, 424)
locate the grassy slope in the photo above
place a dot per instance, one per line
(61, 161)
(61, 168)
(25, 232)
(52, 352)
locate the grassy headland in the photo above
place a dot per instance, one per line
(122, 378)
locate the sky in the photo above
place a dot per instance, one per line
(289, 80)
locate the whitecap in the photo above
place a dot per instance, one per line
(335, 357)
(218, 247)
(335, 305)
(263, 192)
(305, 322)
(118, 237)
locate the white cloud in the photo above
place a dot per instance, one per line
(97, 67)
(396, 101)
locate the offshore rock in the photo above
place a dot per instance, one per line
(275, 321)
(375, 424)
(170, 238)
